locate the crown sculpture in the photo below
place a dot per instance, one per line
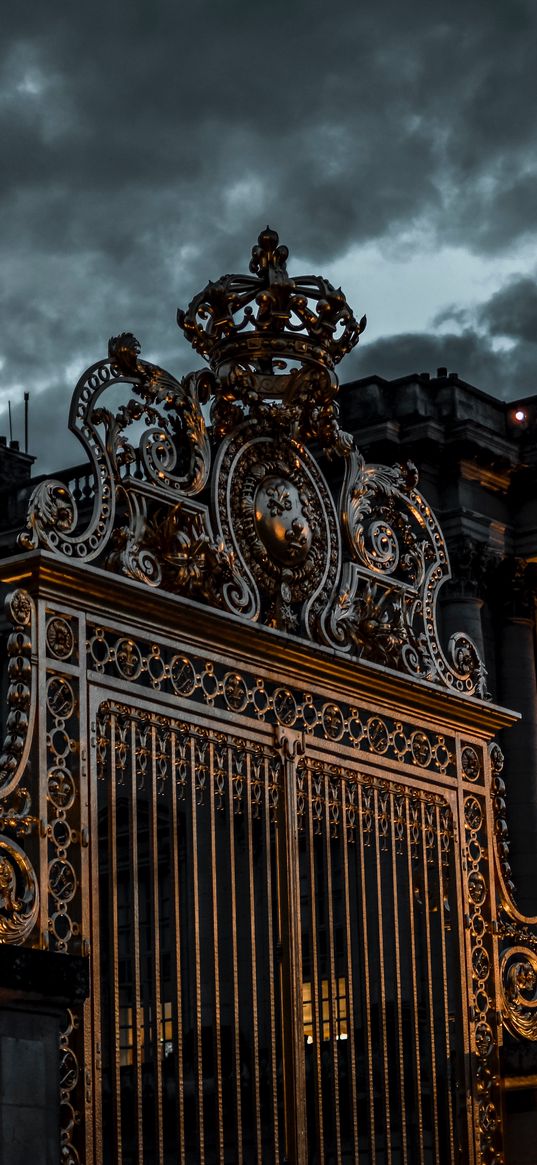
(222, 500)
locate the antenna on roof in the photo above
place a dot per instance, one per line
(26, 404)
(10, 422)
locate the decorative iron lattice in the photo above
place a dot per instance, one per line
(156, 665)
(238, 513)
(19, 888)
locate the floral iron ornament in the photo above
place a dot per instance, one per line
(517, 932)
(221, 500)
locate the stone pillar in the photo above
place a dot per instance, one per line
(461, 597)
(517, 679)
(35, 989)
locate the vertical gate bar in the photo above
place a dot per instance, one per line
(216, 959)
(429, 980)
(414, 983)
(197, 950)
(315, 994)
(291, 968)
(178, 1017)
(137, 1001)
(367, 986)
(334, 1024)
(89, 1066)
(445, 981)
(157, 1002)
(398, 984)
(100, 723)
(465, 970)
(112, 890)
(350, 973)
(382, 983)
(270, 929)
(236, 1016)
(253, 956)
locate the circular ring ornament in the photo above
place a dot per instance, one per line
(60, 638)
(377, 734)
(483, 1039)
(68, 1070)
(182, 675)
(99, 650)
(480, 964)
(333, 721)
(62, 880)
(473, 813)
(60, 698)
(421, 749)
(261, 699)
(477, 887)
(128, 659)
(235, 692)
(276, 512)
(285, 706)
(356, 728)
(61, 788)
(471, 764)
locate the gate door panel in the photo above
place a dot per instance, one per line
(382, 992)
(197, 949)
(186, 921)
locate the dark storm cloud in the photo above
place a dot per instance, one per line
(495, 346)
(145, 144)
(507, 373)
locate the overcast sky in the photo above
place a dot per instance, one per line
(145, 144)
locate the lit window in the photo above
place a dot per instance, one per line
(337, 1001)
(127, 1035)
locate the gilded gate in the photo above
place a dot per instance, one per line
(242, 777)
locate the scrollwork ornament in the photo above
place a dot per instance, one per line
(176, 432)
(386, 607)
(19, 893)
(518, 980)
(467, 667)
(70, 1081)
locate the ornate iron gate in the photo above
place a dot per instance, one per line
(281, 847)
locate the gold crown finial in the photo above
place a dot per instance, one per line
(266, 321)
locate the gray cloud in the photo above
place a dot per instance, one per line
(145, 145)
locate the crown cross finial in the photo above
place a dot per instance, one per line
(269, 254)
